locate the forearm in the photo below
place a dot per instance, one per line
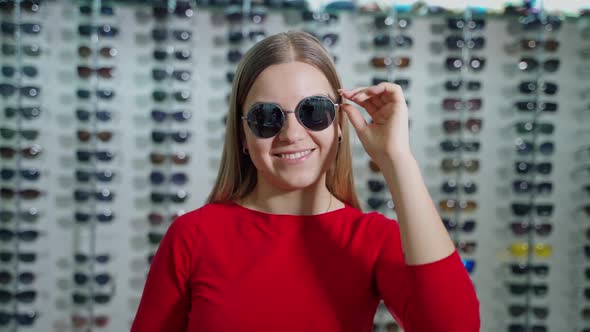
(424, 237)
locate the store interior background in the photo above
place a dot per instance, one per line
(505, 154)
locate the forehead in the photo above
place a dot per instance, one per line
(287, 83)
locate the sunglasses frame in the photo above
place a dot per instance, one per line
(285, 112)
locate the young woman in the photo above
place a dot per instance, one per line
(282, 244)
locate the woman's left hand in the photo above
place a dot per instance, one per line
(388, 135)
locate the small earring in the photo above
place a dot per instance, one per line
(244, 150)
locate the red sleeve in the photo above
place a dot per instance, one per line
(165, 301)
(437, 296)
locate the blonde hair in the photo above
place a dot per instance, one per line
(237, 174)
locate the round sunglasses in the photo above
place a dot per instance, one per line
(315, 113)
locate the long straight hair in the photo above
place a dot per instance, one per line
(237, 174)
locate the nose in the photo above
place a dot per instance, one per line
(292, 130)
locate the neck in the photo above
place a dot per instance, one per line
(314, 199)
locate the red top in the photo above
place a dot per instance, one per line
(224, 267)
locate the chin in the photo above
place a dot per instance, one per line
(295, 181)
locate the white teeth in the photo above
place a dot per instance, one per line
(295, 155)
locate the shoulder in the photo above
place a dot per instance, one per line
(380, 229)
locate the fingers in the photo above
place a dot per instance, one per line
(386, 92)
(354, 115)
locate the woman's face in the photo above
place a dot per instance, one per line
(286, 85)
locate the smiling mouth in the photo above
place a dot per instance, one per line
(294, 155)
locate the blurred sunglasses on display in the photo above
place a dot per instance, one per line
(520, 269)
(521, 289)
(7, 235)
(466, 247)
(457, 84)
(10, 71)
(9, 28)
(451, 186)
(22, 257)
(162, 34)
(180, 75)
(178, 158)
(471, 124)
(550, 45)
(238, 36)
(329, 39)
(178, 197)
(521, 249)
(375, 186)
(528, 87)
(524, 147)
(180, 96)
(388, 22)
(397, 41)
(527, 64)
(105, 94)
(517, 310)
(85, 115)
(527, 328)
(456, 104)
(103, 135)
(462, 24)
(179, 116)
(23, 296)
(31, 6)
(474, 63)
(106, 215)
(30, 152)
(468, 226)
(100, 279)
(8, 90)
(177, 178)
(534, 22)
(469, 165)
(99, 298)
(79, 321)
(81, 258)
(27, 193)
(523, 228)
(533, 106)
(389, 61)
(9, 133)
(21, 318)
(28, 113)
(177, 136)
(105, 30)
(28, 215)
(103, 72)
(523, 167)
(402, 82)
(236, 14)
(527, 187)
(87, 10)
(102, 195)
(526, 127)
(455, 42)
(455, 145)
(524, 209)
(450, 205)
(162, 54)
(85, 155)
(32, 50)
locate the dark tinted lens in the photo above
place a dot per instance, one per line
(316, 113)
(265, 120)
